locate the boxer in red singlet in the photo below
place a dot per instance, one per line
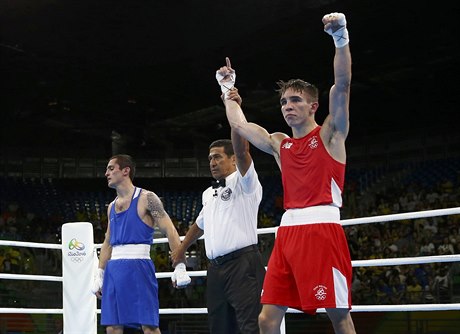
(310, 265)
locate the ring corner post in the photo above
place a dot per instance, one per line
(79, 304)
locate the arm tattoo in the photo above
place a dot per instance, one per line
(154, 206)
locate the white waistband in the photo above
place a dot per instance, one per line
(131, 251)
(311, 215)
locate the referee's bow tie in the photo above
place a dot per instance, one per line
(218, 183)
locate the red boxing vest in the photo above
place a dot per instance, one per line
(310, 175)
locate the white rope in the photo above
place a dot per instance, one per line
(406, 308)
(31, 277)
(29, 244)
(195, 273)
(406, 260)
(203, 310)
(269, 230)
(400, 216)
(361, 263)
(199, 273)
(355, 308)
(395, 308)
(31, 310)
(197, 310)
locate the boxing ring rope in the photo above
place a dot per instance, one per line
(199, 273)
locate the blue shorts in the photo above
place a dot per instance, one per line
(130, 294)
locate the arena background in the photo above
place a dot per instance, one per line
(84, 79)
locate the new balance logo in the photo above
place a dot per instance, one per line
(287, 145)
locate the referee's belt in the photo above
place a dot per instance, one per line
(233, 255)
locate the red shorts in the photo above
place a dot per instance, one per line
(309, 268)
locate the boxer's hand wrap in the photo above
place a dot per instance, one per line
(98, 280)
(338, 29)
(226, 82)
(180, 276)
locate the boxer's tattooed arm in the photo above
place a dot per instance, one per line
(154, 206)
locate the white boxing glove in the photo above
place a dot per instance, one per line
(336, 24)
(180, 276)
(98, 280)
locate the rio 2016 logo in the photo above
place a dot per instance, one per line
(77, 251)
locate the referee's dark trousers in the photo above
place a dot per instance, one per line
(234, 285)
